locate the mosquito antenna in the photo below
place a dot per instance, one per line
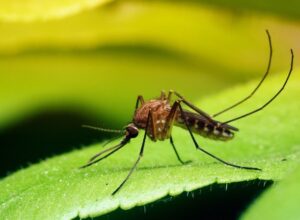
(267, 103)
(259, 84)
(104, 129)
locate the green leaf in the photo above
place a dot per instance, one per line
(29, 10)
(57, 189)
(280, 202)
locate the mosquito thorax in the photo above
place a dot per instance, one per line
(132, 131)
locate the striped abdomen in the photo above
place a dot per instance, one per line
(209, 129)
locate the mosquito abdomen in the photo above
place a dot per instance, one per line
(205, 128)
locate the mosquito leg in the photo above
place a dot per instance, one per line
(206, 152)
(176, 152)
(169, 124)
(270, 100)
(170, 119)
(170, 95)
(102, 152)
(195, 108)
(162, 95)
(139, 157)
(139, 100)
(112, 149)
(259, 84)
(111, 140)
(201, 112)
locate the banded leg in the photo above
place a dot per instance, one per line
(149, 120)
(206, 152)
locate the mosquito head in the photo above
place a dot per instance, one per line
(131, 131)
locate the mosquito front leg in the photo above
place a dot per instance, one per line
(139, 100)
(101, 153)
(149, 119)
(206, 152)
(111, 150)
(130, 132)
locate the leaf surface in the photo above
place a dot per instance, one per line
(279, 202)
(57, 189)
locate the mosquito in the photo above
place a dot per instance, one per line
(158, 116)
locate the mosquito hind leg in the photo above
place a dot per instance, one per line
(149, 118)
(270, 100)
(209, 154)
(192, 106)
(259, 84)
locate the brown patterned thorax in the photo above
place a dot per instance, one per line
(160, 110)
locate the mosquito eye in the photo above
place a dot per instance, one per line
(133, 131)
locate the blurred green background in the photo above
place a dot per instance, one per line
(68, 63)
